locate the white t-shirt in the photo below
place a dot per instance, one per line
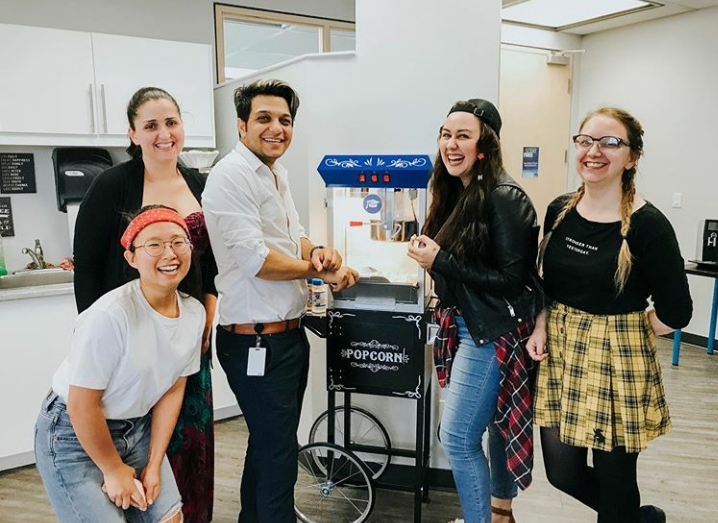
(123, 346)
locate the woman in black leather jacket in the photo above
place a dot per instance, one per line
(479, 244)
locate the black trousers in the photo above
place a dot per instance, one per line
(271, 405)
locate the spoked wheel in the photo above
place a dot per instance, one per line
(366, 429)
(333, 486)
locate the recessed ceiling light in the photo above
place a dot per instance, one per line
(557, 14)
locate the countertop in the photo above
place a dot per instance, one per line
(39, 291)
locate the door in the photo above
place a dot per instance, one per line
(124, 64)
(47, 81)
(535, 105)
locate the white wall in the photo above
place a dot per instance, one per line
(664, 72)
(391, 96)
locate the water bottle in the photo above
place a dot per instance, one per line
(310, 297)
(319, 297)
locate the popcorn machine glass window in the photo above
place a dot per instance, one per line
(375, 205)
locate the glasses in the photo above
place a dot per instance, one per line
(609, 143)
(155, 247)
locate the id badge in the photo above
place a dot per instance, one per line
(256, 360)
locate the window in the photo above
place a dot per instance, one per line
(249, 40)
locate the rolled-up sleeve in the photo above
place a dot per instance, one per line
(232, 211)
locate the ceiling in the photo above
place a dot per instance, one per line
(667, 8)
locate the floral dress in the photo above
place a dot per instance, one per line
(191, 449)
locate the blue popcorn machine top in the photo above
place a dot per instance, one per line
(375, 204)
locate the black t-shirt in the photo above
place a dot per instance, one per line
(582, 256)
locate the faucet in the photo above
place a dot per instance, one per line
(37, 255)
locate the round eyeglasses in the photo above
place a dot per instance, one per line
(155, 247)
(609, 143)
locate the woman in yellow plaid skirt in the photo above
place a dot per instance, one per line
(599, 386)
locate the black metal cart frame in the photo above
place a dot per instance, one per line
(379, 353)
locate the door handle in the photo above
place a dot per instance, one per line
(91, 93)
(104, 107)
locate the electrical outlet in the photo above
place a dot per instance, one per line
(677, 200)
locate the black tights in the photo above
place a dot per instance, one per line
(609, 487)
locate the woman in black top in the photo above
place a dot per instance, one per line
(153, 176)
(479, 243)
(606, 251)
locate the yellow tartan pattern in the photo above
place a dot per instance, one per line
(601, 384)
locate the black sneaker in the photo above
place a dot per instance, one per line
(652, 514)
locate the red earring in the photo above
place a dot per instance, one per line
(480, 156)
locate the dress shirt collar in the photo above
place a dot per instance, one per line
(256, 164)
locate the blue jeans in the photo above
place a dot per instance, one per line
(74, 483)
(469, 409)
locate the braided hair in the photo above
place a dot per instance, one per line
(628, 189)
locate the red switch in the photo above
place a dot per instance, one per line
(362, 178)
(387, 178)
(374, 178)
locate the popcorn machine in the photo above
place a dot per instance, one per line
(375, 205)
(376, 330)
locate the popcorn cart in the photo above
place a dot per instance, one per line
(375, 333)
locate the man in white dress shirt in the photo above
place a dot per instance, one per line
(264, 258)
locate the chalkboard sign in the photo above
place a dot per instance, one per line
(17, 173)
(377, 352)
(6, 227)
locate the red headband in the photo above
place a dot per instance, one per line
(148, 218)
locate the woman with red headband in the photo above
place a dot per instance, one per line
(100, 453)
(153, 176)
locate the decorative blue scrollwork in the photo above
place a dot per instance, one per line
(400, 163)
(345, 164)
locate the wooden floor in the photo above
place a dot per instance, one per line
(678, 472)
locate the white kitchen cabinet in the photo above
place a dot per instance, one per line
(48, 79)
(36, 336)
(124, 64)
(72, 88)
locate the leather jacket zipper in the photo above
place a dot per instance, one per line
(511, 309)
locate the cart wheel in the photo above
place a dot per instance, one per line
(366, 429)
(333, 486)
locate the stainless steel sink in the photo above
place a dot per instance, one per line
(34, 278)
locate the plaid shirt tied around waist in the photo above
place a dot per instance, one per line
(445, 343)
(514, 415)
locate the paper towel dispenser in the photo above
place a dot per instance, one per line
(75, 169)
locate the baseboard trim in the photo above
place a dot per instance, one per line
(227, 412)
(690, 339)
(17, 460)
